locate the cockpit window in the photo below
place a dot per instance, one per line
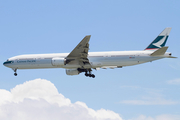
(8, 62)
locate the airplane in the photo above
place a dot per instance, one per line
(80, 60)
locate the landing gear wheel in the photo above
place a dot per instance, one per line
(15, 74)
(87, 72)
(14, 69)
(93, 76)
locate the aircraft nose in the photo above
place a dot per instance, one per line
(7, 63)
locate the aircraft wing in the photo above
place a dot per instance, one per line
(80, 52)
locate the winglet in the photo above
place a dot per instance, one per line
(160, 51)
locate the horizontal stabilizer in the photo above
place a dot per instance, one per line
(160, 51)
(171, 57)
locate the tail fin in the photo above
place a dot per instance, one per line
(160, 40)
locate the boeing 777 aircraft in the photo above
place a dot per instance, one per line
(81, 60)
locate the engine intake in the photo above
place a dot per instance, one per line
(58, 61)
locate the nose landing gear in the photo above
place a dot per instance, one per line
(15, 74)
(14, 69)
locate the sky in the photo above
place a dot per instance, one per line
(148, 91)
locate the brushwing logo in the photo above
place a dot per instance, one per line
(159, 43)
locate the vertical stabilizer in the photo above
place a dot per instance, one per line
(160, 40)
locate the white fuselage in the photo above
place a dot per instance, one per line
(81, 60)
(96, 59)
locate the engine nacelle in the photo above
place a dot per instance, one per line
(58, 61)
(72, 72)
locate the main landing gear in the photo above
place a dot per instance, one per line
(87, 72)
(15, 74)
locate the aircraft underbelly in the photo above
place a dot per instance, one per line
(95, 62)
(39, 64)
(125, 61)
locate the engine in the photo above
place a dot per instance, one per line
(72, 72)
(58, 61)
